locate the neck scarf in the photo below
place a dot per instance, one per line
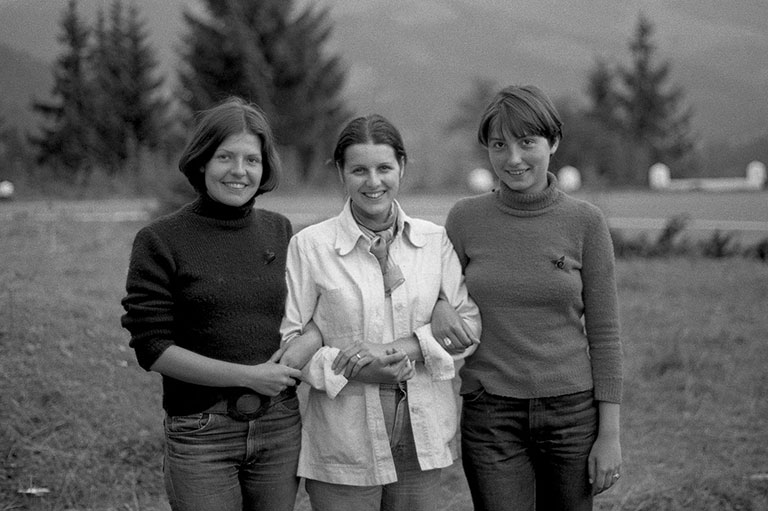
(380, 242)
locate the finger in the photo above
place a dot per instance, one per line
(470, 334)
(592, 471)
(340, 362)
(278, 354)
(394, 358)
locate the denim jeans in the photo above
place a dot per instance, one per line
(215, 463)
(528, 454)
(415, 490)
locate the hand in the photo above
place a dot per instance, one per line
(353, 358)
(378, 362)
(449, 329)
(604, 462)
(392, 368)
(271, 378)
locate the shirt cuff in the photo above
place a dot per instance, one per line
(439, 363)
(319, 374)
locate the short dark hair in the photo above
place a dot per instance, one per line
(521, 110)
(232, 116)
(372, 128)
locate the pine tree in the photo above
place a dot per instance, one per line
(267, 53)
(65, 138)
(636, 103)
(652, 109)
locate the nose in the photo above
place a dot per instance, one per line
(373, 179)
(513, 158)
(238, 167)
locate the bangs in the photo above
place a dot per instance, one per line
(518, 121)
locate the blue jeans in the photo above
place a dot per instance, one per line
(415, 490)
(528, 454)
(215, 463)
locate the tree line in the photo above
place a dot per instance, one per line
(109, 102)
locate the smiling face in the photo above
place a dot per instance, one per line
(371, 177)
(233, 174)
(521, 163)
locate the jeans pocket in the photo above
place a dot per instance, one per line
(185, 424)
(474, 396)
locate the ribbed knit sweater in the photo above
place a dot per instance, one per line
(209, 278)
(540, 267)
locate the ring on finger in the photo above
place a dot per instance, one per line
(358, 356)
(447, 341)
(616, 476)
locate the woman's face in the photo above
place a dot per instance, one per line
(520, 163)
(371, 177)
(233, 174)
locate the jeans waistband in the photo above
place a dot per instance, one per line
(224, 406)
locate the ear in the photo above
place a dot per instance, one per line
(402, 167)
(554, 147)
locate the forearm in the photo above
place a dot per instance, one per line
(410, 346)
(609, 418)
(188, 366)
(300, 349)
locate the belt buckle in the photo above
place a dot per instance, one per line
(247, 407)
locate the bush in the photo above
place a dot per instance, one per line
(672, 242)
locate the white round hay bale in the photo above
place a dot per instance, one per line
(6, 189)
(569, 178)
(756, 173)
(659, 177)
(480, 180)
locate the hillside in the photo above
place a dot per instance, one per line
(23, 78)
(414, 62)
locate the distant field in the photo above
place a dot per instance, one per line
(80, 422)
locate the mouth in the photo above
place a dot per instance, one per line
(373, 195)
(235, 186)
(516, 172)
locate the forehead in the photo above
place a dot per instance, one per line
(357, 154)
(242, 141)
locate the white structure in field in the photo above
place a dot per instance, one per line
(660, 179)
(569, 179)
(481, 180)
(6, 189)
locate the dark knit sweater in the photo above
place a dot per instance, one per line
(209, 278)
(540, 267)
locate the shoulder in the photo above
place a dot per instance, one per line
(584, 210)
(322, 232)
(468, 206)
(272, 221)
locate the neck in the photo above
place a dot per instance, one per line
(375, 224)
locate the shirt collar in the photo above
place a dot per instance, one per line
(348, 233)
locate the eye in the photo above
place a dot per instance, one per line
(357, 171)
(497, 144)
(254, 160)
(221, 156)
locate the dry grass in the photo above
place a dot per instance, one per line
(80, 419)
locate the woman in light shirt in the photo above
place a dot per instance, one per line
(381, 415)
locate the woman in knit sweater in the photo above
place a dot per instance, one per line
(205, 296)
(540, 417)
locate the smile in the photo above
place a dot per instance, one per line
(516, 172)
(237, 186)
(373, 195)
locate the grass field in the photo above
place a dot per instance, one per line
(80, 423)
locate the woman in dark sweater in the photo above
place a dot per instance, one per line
(540, 416)
(205, 296)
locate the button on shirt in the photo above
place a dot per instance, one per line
(334, 280)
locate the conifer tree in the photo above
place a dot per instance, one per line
(636, 102)
(65, 138)
(268, 53)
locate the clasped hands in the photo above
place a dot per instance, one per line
(373, 363)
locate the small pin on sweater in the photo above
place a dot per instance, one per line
(269, 256)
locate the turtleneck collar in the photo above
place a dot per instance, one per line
(205, 206)
(525, 204)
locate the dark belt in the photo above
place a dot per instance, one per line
(248, 406)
